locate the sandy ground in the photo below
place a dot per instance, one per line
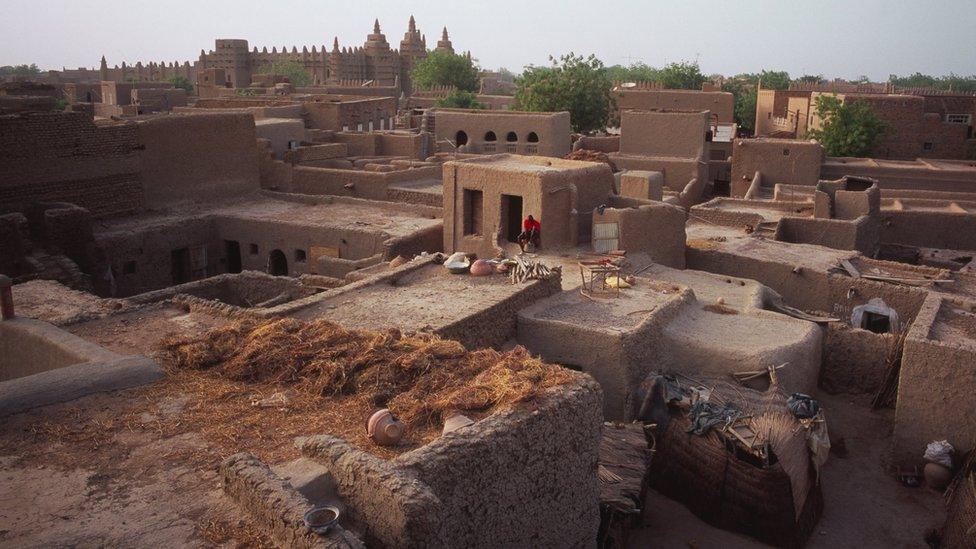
(864, 506)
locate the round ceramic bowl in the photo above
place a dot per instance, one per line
(321, 519)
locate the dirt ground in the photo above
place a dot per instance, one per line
(864, 506)
(138, 332)
(79, 474)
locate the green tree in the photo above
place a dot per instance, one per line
(572, 83)
(847, 129)
(446, 69)
(775, 80)
(682, 76)
(811, 78)
(20, 70)
(294, 70)
(950, 81)
(460, 100)
(181, 82)
(636, 72)
(743, 89)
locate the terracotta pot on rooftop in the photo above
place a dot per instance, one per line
(384, 428)
(481, 268)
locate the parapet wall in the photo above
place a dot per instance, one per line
(64, 157)
(779, 161)
(515, 476)
(655, 229)
(860, 234)
(938, 374)
(197, 157)
(929, 229)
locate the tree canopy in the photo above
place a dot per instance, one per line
(294, 70)
(182, 82)
(572, 83)
(847, 129)
(446, 69)
(19, 70)
(950, 81)
(743, 87)
(460, 100)
(683, 75)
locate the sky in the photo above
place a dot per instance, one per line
(834, 38)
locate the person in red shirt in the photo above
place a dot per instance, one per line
(531, 232)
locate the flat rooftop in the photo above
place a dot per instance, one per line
(527, 164)
(327, 213)
(427, 298)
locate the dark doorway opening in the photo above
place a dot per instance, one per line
(460, 138)
(277, 263)
(473, 211)
(877, 323)
(180, 261)
(511, 216)
(233, 251)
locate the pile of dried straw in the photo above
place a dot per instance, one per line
(418, 377)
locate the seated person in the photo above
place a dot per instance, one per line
(531, 231)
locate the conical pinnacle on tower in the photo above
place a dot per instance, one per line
(412, 26)
(444, 35)
(376, 26)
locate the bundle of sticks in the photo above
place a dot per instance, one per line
(528, 270)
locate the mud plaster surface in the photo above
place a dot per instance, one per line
(138, 332)
(955, 325)
(54, 302)
(427, 297)
(259, 208)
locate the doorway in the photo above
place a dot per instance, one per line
(180, 261)
(232, 249)
(511, 217)
(277, 263)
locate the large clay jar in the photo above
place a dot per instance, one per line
(937, 476)
(384, 428)
(481, 268)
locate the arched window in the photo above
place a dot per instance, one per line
(461, 138)
(533, 138)
(490, 136)
(512, 137)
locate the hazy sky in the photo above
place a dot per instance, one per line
(831, 37)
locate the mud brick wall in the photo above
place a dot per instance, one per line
(522, 477)
(64, 157)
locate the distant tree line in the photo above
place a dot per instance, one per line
(19, 70)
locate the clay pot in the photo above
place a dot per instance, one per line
(481, 268)
(384, 428)
(937, 476)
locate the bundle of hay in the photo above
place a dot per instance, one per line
(419, 378)
(767, 489)
(960, 525)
